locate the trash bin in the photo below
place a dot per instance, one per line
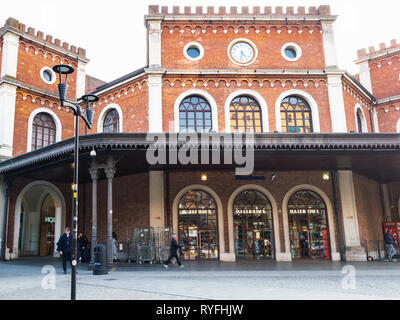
(100, 260)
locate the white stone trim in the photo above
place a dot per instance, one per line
(362, 116)
(398, 126)
(336, 103)
(103, 114)
(60, 213)
(9, 55)
(221, 234)
(154, 43)
(275, 217)
(155, 102)
(80, 79)
(53, 75)
(311, 102)
(328, 44)
(349, 208)
(365, 76)
(331, 225)
(55, 118)
(296, 48)
(198, 46)
(203, 94)
(242, 40)
(156, 198)
(258, 97)
(8, 95)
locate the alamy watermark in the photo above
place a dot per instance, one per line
(349, 280)
(202, 148)
(49, 280)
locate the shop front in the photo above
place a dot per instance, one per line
(309, 235)
(198, 232)
(253, 226)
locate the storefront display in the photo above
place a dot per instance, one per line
(308, 226)
(394, 229)
(252, 215)
(198, 226)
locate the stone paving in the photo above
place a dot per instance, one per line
(248, 280)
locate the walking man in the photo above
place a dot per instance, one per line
(173, 251)
(390, 250)
(64, 247)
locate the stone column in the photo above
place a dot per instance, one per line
(8, 94)
(386, 202)
(155, 99)
(3, 216)
(110, 171)
(365, 76)
(328, 42)
(94, 173)
(9, 60)
(80, 79)
(354, 251)
(156, 198)
(154, 42)
(336, 103)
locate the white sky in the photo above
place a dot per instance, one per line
(113, 32)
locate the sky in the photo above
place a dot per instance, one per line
(114, 35)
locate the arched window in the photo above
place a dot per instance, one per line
(195, 115)
(245, 115)
(296, 115)
(43, 131)
(111, 121)
(359, 122)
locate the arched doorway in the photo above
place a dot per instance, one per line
(253, 226)
(38, 221)
(308, 225)
(198, 225)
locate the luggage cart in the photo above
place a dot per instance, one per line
(132, 252)
(123, 251)
(145, 240)
(164, 236)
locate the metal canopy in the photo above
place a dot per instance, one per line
(374, 155)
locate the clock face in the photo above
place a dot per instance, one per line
(242, 52)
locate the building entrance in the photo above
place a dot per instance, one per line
(252, 216)
(198, 226)
(309, 234)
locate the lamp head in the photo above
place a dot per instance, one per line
(89, 99)
(63, 69)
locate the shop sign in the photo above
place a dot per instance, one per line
(196, 211)
(301, 211)
(49, 220)
(250, 211)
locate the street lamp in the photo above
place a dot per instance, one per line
(65, 70)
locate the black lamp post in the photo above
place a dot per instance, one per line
(65, 70)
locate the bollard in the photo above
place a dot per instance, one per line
(100, 260)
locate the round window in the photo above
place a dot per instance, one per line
(193, 51)
(48, 75)
(291, 52)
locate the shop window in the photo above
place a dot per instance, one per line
(43, 131)
(111, 122)
(195, 115)
(309, 234)
(252, 220)
(198, 226)
(296, 115)
(245, 115)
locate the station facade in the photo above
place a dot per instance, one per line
(325, 175)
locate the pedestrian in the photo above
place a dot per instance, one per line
(173, 251)
(64, 247)
(304, 247)
(82, 244)
(390, 250)
(115, 246)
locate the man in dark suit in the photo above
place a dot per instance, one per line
(64, 247)
(173, 251)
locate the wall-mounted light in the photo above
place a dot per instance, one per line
(203, 177)
(325, 175)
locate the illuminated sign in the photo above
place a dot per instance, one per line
(303, 211)
(49, 220)
(250, 211)
(196, 211)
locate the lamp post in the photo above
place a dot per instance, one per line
(63, 71)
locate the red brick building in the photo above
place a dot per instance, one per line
(324, 180)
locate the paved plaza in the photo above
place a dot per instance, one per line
(23, 279)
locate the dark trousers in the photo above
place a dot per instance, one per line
(171, 256)
(65, 256)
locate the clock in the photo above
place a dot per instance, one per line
(242, 52)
